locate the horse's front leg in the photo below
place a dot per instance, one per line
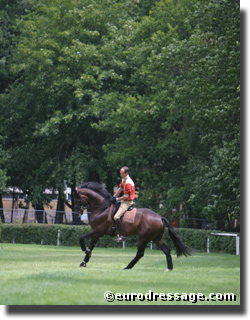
(94, 237)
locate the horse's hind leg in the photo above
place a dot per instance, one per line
(140, 253)
(167, 251)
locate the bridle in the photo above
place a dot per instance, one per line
(86, 199)
(84, 206)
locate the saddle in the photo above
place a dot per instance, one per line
(128, 216)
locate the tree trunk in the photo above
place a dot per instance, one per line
(60, 209)
(75, 218)
(1, 209)
(13, 205)
(25, 216)
(39, 213)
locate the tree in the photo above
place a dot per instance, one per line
(61, 75)
(153, 85)
(9, 10)
(183, 108)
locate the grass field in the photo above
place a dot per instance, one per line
(50, 275)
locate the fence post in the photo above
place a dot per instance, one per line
(58, 237)
(237, 245)
(208, 249)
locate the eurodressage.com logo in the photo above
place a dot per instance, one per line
(151, 296)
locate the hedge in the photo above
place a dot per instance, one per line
(70, 234)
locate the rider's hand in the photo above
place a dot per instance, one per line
(113, 199)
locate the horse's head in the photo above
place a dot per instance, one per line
(92, 194)
(81, 201)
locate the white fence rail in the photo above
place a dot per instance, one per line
(237, 244)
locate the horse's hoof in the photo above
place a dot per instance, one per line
(167, 270)
(83, 264)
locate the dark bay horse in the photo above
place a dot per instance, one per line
(148, 225)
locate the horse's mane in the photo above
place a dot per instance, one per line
(98, 188)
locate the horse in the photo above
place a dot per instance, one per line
(148, 225)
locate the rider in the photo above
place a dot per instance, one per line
(128, 187)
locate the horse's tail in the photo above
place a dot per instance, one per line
(181, 247)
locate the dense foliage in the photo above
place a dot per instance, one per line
(90, 86)
(69, 236)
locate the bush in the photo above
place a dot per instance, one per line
(69, 236)
(197, 240)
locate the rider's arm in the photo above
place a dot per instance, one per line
(118, 192)
(123, 197)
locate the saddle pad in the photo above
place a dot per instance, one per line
(129, 216)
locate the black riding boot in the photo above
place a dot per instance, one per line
(121, 232)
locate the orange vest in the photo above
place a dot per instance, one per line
(128, 187)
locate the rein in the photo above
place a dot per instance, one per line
(85, 198)
(85, 205)
(93, 207)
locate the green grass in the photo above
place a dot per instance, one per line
(50, 275)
